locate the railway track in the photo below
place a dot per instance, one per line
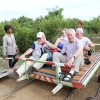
(66, 93)
(71, 94)
(15, 90)
(70, 91)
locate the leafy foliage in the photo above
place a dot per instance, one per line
(25, 29)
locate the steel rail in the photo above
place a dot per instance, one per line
(71, 94)
(15, 90)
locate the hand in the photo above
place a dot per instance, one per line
(43, 39)
(70, 62)
(58, 49)
(87, 47)
(17, 50)
(67, 58)
(4, 57)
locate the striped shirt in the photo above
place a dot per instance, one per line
(9, 45)
(70, 48)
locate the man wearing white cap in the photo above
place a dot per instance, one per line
(37, 50)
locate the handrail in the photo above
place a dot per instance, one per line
(46, 62)
(97, 44)
(57, 65)
(5, 58)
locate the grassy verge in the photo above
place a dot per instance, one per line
(4, 64)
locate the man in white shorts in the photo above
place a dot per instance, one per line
(38, 53)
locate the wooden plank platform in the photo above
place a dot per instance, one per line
(86, 69)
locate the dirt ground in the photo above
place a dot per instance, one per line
(38, 90)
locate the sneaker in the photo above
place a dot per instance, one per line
(14, 75)
(31, 70)
(62, 76)
(87, 61)
(90, 52)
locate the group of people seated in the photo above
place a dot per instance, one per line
(71, 47)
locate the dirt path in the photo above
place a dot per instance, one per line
(38, 90)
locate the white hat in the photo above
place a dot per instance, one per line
(39, 34)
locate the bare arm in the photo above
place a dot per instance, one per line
(4, 46)
(56, 43)
(26, 53)
(88, 46)
(58, 49)
(91, 44)
(79, 51)
(50, 45)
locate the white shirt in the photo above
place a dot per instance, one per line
(62, 38)
(9, 45)
(84, 41)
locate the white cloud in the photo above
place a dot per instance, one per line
(82, 9)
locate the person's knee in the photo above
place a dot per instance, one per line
(45, 55)
(55, 54)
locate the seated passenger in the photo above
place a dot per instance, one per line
(61, 40)
(87, 44)
(38, 53)
(72, 54)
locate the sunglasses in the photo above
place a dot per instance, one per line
(38, 38)
(62, 33)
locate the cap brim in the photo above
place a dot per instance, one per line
(38, 36)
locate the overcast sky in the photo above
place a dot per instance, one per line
(82, 9)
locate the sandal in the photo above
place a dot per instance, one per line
(69, 78)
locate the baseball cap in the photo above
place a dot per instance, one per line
(39, 34)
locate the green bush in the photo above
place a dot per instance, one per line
(25, 29)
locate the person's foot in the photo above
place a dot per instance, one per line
(69, 77)
(31, 70)
(90, 52)
(14, 75)
(87, 61)
(62, 75)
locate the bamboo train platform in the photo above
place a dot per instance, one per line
(49, 74)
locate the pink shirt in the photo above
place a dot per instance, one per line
(71, 47)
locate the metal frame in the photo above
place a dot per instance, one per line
(56, 80)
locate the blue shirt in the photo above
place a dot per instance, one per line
(60, 45)
(33, 46)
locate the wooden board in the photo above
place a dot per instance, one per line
(86, 69)
(4, 72)
(79, 76)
